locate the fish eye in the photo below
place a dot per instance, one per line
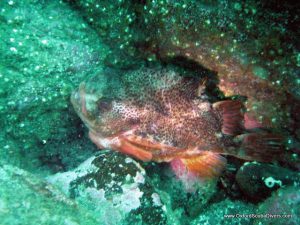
(104, 105)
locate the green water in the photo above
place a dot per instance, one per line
(50, 171)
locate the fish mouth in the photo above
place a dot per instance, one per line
(78, 100)
(75, 100)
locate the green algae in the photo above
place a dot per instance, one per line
(46, 50)
(48, 47)
(27, 199)
(226, 212)
(261, 72)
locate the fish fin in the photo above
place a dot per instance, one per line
(262, 147)
(135, 151)
(232, 116)
(206, 165)
(148, 144)
(121, 144)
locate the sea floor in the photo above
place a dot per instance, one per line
(52, 173)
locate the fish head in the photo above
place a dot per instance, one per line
(104, 107)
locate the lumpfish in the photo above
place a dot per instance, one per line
(156, 114)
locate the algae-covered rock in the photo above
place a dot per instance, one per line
(253, 48)
(185, 200)
(46, 50)
(27, 200)
(226, 212)
(252, 45)
(119, 24)
(259, 180)
(283, 207)
(115, 188)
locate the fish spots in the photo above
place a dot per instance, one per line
(126, 111)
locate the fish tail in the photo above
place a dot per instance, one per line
(262, 147)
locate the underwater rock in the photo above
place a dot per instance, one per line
(115, 188)
(119, 25)
(252, 46)
(259, 180)
(253, 55)
(46, 50)
(183, 202)
(27, 199)
(226, 212)
(283, 207)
